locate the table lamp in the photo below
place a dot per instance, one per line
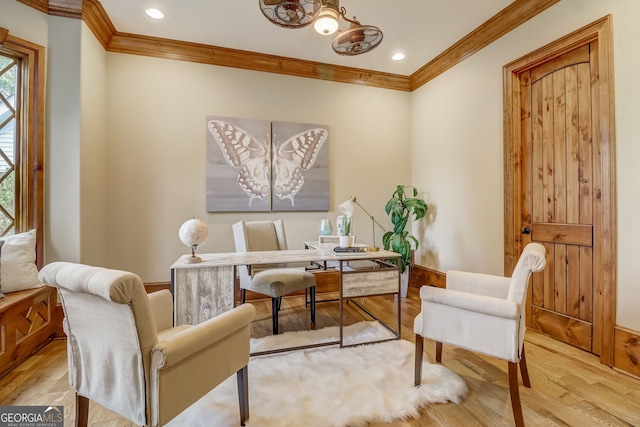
(347, 208)
(193, 233)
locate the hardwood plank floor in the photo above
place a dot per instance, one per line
(569, 386)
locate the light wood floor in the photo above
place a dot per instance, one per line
(569, 387)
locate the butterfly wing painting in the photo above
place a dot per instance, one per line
(300, 167)
(238, 165)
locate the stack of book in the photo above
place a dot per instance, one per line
(339, 250)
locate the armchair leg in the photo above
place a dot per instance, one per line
(274, 315)
(243, 295)
(524, 371)
(313, 303)
(438, 352)
(418, 360)
(82, 411)
(243, 393)
(515, 394)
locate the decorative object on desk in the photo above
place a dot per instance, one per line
(348, 206)
(400, 208)
(193, 233)
(325, 228)
(346, 239)
(257, 165)
(324, 387)
(348, 250)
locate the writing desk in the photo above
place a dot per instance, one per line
(204, 290)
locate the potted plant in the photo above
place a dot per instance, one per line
(402, 205)
(344, 231)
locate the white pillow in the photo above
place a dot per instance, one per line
(18, 269)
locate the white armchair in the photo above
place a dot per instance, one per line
(481, 313)
(124, 354)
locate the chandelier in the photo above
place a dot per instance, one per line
(325, 15)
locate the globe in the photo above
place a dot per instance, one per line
(193, 232)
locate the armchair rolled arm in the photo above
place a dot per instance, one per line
(492, 306)
(198, 337)
(161, 303)
(478, 283)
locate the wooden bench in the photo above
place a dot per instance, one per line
(27, 323)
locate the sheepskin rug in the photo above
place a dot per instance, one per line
(328, 386)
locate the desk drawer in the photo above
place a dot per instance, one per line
(363, 283)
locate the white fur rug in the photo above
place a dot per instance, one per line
(328, 387)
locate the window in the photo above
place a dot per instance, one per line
(8, 88)
(21, 137)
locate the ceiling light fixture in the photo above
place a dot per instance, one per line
(327, 21)
(154, 13)
(398, 56)
(355, 40)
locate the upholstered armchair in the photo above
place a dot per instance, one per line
(124, 354)
(274, 281)
(481, 313)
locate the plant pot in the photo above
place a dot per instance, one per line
(404, 283)
(346, 241)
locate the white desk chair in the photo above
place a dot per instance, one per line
(271, 280)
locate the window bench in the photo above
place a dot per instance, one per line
(26, 324)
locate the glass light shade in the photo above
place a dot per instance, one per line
(327, 22)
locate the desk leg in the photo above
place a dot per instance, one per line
(340, 305)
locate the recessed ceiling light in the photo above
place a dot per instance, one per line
(154, 13)
(399, 56)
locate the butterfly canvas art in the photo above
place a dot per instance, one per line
(256, 165)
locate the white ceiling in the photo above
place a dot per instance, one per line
(421, 29)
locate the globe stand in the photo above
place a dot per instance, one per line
(193, 259)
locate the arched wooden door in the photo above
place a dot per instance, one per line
(560, 187)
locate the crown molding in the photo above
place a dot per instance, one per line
(512, 16)
(66, 8)
(95, 17)
(213, 55)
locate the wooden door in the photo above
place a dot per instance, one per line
(559, 185)
(559, 156)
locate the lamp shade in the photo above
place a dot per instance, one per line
(347, 207)
(193, 232)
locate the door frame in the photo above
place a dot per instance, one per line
(604, 226)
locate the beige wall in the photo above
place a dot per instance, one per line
(63, 140)
(156, 151)
(94, 170)
(457, 146)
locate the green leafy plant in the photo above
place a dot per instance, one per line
(402, 205)
(345, 230)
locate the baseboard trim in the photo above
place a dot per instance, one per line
(626, 354)
(421, 276)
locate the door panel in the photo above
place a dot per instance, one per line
(553, 137)
(559, 149)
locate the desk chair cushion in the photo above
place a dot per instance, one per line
(281, 281)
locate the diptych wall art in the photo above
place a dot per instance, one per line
(261, 166)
